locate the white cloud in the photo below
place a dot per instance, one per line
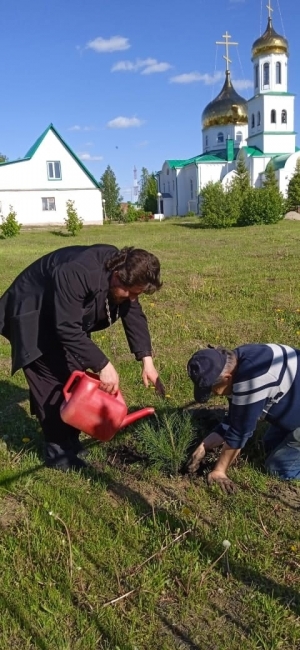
(113, 44)
(124, 122)
(144, 66)
(144, 143)
(157, 67)
(242, 84)
(87, 157)
(77, 127)
(192, 77)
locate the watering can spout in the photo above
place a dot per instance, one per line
(137, 415)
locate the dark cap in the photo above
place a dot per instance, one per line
(204, 368)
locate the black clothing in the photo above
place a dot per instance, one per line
(48, 314)
(60, 299)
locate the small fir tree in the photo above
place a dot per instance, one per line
(72, 221)
(242, 177)
(293, 196)
(10, 226)
(272, 201)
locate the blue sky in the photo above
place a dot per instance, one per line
(125, 82)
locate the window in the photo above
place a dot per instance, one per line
(256, 76)
(266, 74)
(273, 116)
(283, 117)
(239, 136)
(278, 72)
(168, 171)
(164, 186)
(220, 138)
(258, 118)
(173, 186)
(252, 121)
(48, 204)
(169, 187)
(206, 140)
(192, 190)
(54, 170)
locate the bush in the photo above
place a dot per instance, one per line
(167, 443)
(10, 227)
(143, 215)
(72, 221)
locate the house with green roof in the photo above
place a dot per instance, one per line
(39, 185)
(261, 129)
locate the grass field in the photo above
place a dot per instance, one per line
(124, 557)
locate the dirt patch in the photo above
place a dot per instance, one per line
(124, 456)
(11, 512)
(287, 494)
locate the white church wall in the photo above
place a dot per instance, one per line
(188, 189)
(214, 138)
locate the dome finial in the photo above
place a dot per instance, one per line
(226, 43)
(270, 10)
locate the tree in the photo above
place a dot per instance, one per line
(143, 186)
(242, 178)
(212, 203)
(293, 196)
(150, 203)
(148, 191)
(3, 158)
(111, 194)
(72, 221)
(272, 201)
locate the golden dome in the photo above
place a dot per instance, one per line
(227, 108)
(270, 43)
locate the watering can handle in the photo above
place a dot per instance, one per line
(67, 386)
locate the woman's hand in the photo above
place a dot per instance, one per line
(149, 373)
(109, 379)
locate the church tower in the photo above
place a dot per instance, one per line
(225, 119)
(271, 110)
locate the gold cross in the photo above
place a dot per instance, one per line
(226, 43)
(270, 9)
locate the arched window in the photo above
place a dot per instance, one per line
(266, 74)
(278, 72)
(192, 189)
(220, 138)
(239, 136)
(256, 75)
(273, 116)
(252, 121)
(206, 140)
(283, 117)
(258, 118)
(168, 171)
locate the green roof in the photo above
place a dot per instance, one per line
(254, 152)
(278, 162)
(210, 157)
(30, 153)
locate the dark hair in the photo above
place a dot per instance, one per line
(136, 267)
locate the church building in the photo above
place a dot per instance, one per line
(262, 128)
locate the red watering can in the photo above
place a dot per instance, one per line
(90, 409)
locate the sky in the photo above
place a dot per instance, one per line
(125, 82)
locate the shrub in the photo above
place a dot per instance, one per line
(72, 221)
(167, 442)
(10, 227)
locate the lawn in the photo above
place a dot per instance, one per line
(125, 556)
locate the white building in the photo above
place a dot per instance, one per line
(263, 128)
(39, 185)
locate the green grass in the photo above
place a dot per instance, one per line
(126, 527)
